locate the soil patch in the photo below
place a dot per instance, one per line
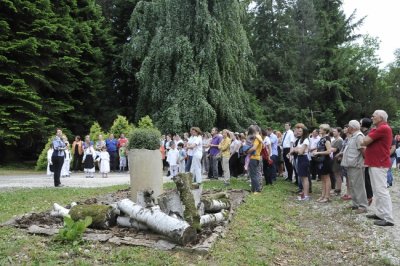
(45, 224)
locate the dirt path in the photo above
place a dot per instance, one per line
(337, 236)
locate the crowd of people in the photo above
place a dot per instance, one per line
(107, 155)
(361, 154)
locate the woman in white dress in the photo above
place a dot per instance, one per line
(67, 160)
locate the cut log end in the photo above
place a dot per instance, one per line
(188, 236)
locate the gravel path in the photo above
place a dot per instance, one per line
(75, 180)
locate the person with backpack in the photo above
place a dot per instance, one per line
(266, 158)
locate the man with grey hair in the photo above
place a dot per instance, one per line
(377, 158)
(353, 161)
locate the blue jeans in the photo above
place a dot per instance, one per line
(389, 175)
(188, 164)
(254, 176)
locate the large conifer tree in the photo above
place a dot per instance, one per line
(195, 58)
(52, 66)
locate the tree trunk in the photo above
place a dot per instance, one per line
(214, 205)
(214, 218)
(170, 203)
(183, 183)
(103, 216)
(130, 222)
(177, 230)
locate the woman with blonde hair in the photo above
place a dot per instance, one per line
(324, 162)
(224, 147)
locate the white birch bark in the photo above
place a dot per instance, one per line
(212, 205)
(125, 221)
(178, 230)
(213, 218)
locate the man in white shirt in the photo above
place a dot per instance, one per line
(287, 143)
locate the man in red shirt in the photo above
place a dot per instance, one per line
(377, 158)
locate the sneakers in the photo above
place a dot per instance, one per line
(303, 198)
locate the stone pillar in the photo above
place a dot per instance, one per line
(145, 169)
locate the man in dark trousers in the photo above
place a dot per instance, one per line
(58, 157)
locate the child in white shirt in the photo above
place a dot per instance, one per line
(50, 151)
(173, 159)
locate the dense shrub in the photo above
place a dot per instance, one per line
(145, 122)
(121, 125)
(41, 163)
(95, 131)
(145, 138)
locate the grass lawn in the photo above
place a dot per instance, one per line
(23, 168)
(268, 229)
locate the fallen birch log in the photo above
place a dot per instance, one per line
(183, 182)
(103, 216)
(177, 230)
(215, 205)
(131, 223)
(214, 218)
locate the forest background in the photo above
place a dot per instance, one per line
(78, 64)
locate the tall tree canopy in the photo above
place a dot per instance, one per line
(52, 66)
(195, 58)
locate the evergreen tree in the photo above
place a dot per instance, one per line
(195, 58)
(52, 67)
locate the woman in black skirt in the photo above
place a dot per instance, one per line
(303, 164)
(324, 162)
(88, 158)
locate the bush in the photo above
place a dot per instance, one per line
(41, 163)
(145, 122)
(121, 125)
(95, 131)
(145, 138)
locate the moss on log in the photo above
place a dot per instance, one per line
(102, 215)
(183, 183)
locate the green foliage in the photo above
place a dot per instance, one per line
(145, 122)
(145, 138)
(41, 163)
(52, 68)
(195, 59)
(95, 131)
(121, 126)
(73, 230)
